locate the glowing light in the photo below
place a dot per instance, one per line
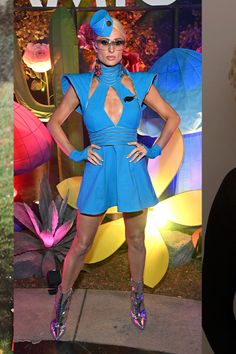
(15, 192)
(183, 208)
(159, 216)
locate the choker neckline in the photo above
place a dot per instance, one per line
(110, 75)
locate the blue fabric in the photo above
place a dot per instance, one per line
(80, 83)
(117, 182)
(153, 151)
(113, 136)
(142, 83)
(78, 156)
(101, 23)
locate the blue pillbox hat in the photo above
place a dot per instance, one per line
(101, 23)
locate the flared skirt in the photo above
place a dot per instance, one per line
(117, 182)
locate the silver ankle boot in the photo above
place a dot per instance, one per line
(138, 312)
(60, 312)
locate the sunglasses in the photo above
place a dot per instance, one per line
(104, 44)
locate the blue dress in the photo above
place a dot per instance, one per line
(117, 182)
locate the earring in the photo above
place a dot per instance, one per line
(98, 71)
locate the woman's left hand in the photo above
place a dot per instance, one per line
(138, 152)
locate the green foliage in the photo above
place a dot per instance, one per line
(6, 212)
(6, 42)
(5, 345)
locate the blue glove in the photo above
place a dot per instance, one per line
(153, 151)
(78, 156)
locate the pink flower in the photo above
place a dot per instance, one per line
(50, 236)
(199, 50)
(86, 36)
(37, 57)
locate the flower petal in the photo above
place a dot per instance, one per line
(21, 214)
(184, 208)
(24, 242)
(109, 237)
(157, 256)
(73, 185)
(62, 231)
(54, 216)
(35, 221)
(47, 238)
(164, 168)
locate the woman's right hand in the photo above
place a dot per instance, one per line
(87, 154)
(93, 156)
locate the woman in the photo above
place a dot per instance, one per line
(111, 100)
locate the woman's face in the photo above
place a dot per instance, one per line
(110, 54)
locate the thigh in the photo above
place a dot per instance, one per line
(87, 225)
(135, 222)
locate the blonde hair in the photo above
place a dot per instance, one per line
(232, 71)
(119, 27)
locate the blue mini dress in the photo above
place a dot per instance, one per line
(117, 182)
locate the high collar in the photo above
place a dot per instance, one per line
(110, 75)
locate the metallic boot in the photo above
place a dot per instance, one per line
(60, 312)
(138, 312)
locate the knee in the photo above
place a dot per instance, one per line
(82, 247)
(136, 240)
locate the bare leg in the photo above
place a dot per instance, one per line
(86, 228)
(135, 223)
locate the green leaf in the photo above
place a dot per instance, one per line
(63, 48)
